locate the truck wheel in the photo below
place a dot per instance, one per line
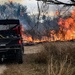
(19, 57)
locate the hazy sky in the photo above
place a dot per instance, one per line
(31, 4)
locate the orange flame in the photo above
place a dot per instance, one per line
(57, 13)
(68, 27)
(66, 31)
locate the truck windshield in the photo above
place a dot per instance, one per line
(7, 27)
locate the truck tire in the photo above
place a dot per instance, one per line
(19, 57)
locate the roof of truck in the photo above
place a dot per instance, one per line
(9, 21)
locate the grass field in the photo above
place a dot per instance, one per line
(55, 58)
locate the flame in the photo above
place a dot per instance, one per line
(66, 31)
(57, 13)
(24, 36)
(67, 27)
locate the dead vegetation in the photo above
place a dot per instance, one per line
(56, 58)
(59, 57)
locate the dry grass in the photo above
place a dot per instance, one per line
(60, 68)
(57, 58)
(29, 67)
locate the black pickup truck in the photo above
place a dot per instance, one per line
(11, 40)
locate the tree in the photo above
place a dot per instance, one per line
(72, 2)
(16, 11)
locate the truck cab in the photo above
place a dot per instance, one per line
(11, 40)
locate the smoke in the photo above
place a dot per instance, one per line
(17, 1)
(15, 11)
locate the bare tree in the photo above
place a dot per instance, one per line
(43, 9)
(71, 3)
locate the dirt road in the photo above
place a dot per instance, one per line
(2, 68)
(33, 49)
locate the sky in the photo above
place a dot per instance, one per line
(31, 4)
(65, 1)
